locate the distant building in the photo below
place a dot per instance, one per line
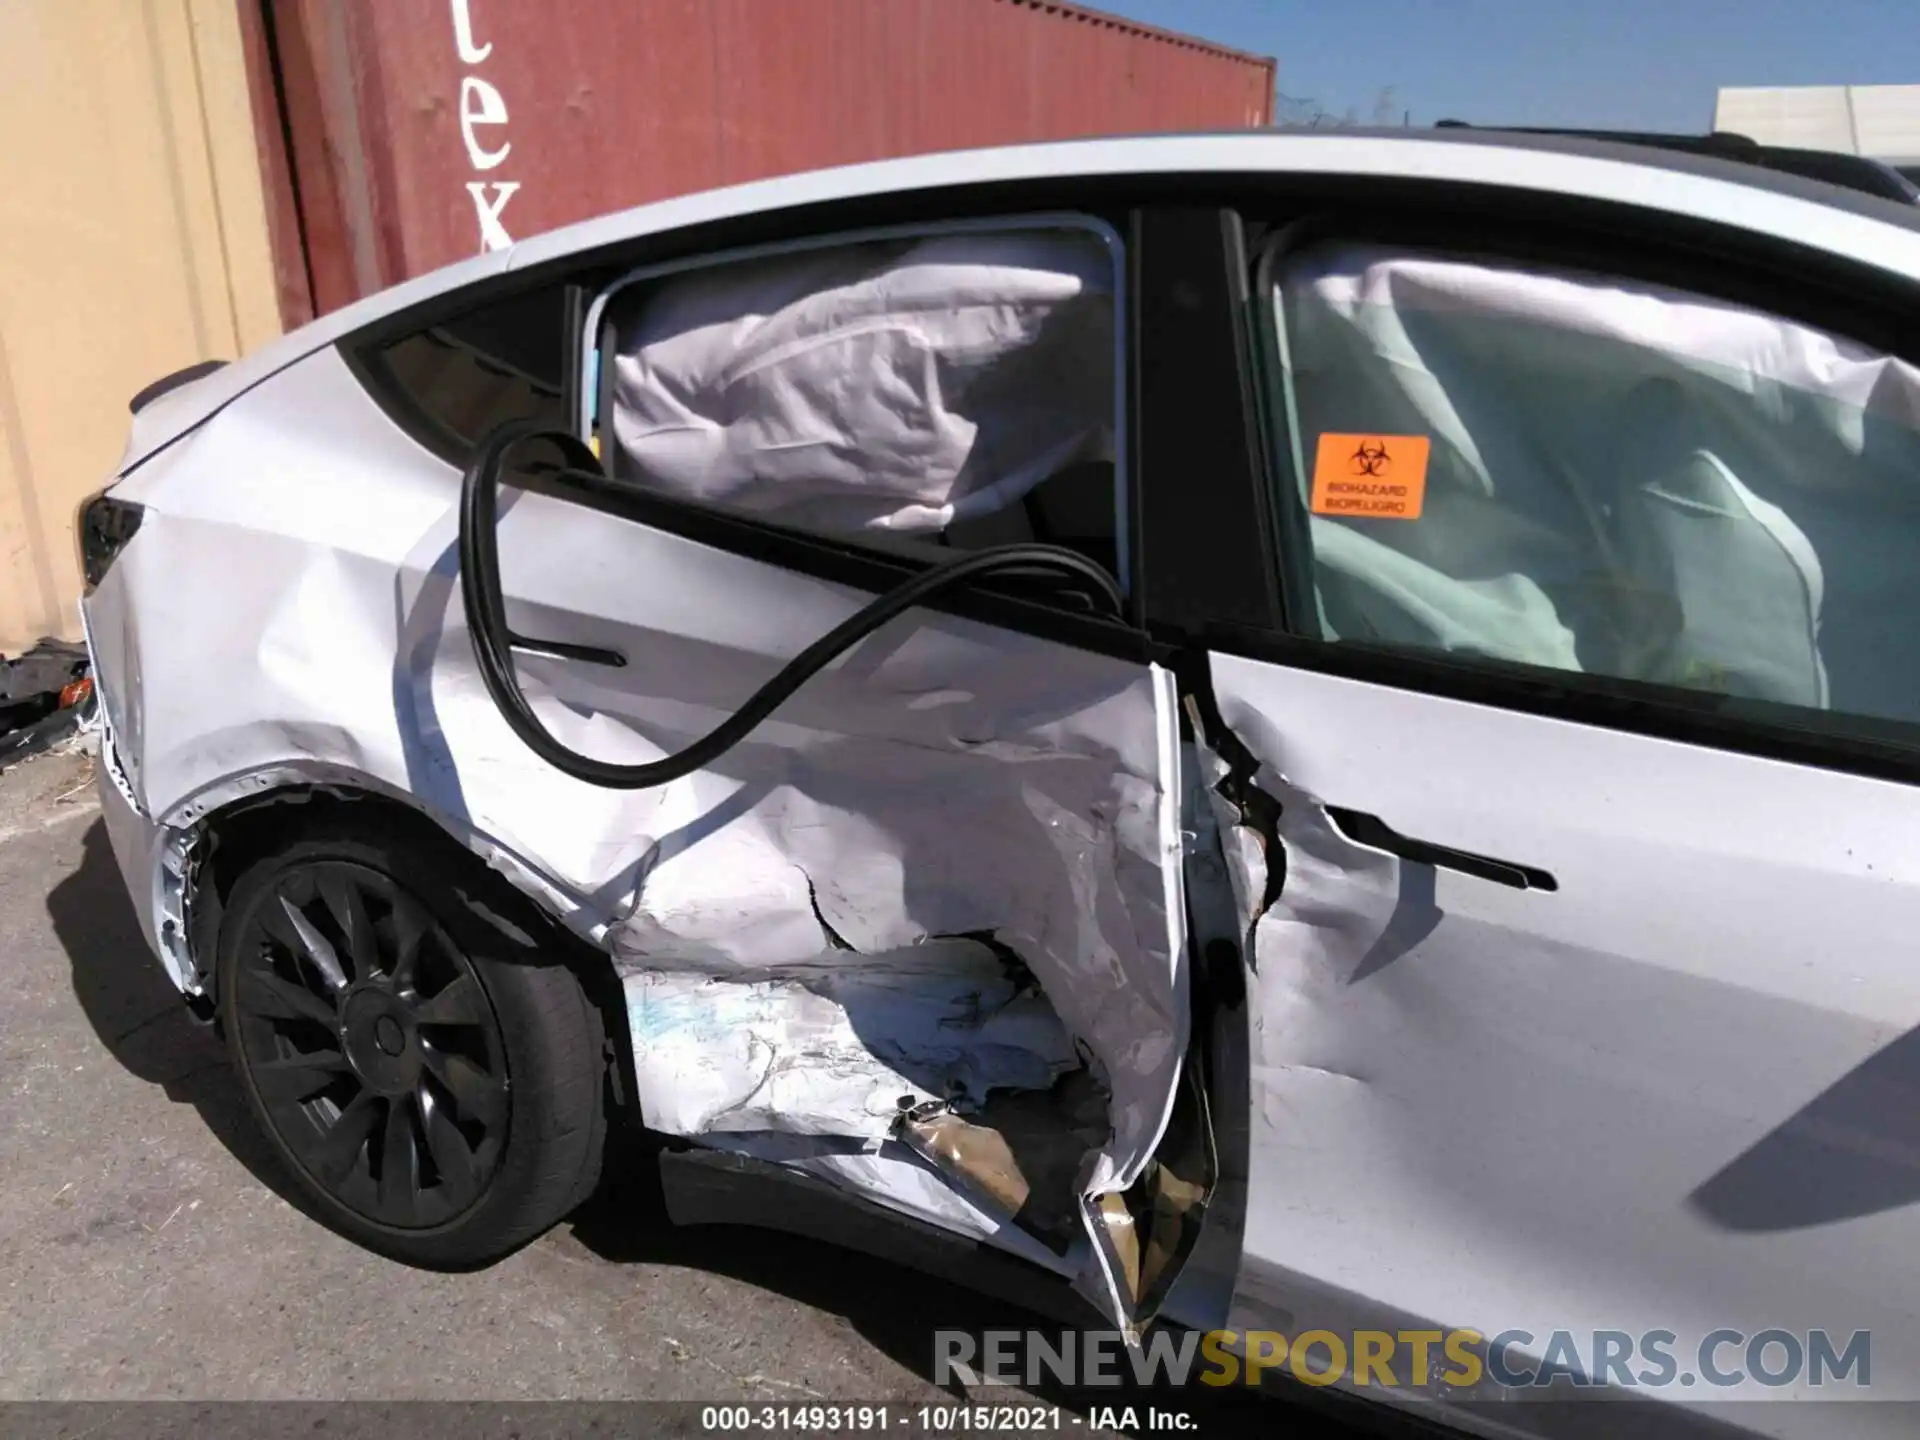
(1881, 121)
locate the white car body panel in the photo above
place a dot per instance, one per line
(850, 816)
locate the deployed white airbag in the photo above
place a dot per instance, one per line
(1623, 479)
(891, 386)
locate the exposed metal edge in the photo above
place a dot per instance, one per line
(176, 860)
(176, 871)
(267, 783)
(709, 1187)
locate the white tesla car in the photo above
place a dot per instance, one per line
(1301, 732)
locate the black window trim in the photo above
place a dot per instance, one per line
(847, 560)
(1816, 287)
(1201, 506)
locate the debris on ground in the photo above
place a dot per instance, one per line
(52, 788)
(46, 696)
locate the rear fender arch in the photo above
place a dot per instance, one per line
(221, 829)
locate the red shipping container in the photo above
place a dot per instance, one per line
(398, 135)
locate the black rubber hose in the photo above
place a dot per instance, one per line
(493, 641)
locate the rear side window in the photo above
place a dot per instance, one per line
(1592, 476)
(451, 383)
(952, 388)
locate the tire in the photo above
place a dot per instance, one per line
(476, 1068)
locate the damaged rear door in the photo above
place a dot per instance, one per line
(922, 933)
(1571, 806)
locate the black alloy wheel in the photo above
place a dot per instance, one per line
(371, 1045)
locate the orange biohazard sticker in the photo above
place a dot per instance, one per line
(1370, 477)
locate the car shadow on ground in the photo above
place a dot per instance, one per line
(140, 1020)
(897, 1310)
(138, 1014)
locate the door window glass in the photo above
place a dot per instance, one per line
(1590, 475)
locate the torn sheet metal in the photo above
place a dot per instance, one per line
(1049, 836)
(1242, 827)
(1021, 1155)
(1144, 1234)
(999, 787)
(1066, 859)
(1018, 1157)
(896, 385)
(889, 1173)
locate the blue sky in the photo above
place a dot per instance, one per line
(1622, 64)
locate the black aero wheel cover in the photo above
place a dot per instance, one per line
(370, 1044)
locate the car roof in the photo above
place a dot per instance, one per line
(1690, 183)
(1863, 227)
(1852, 172)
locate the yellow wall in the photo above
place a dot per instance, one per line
(133, 241)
